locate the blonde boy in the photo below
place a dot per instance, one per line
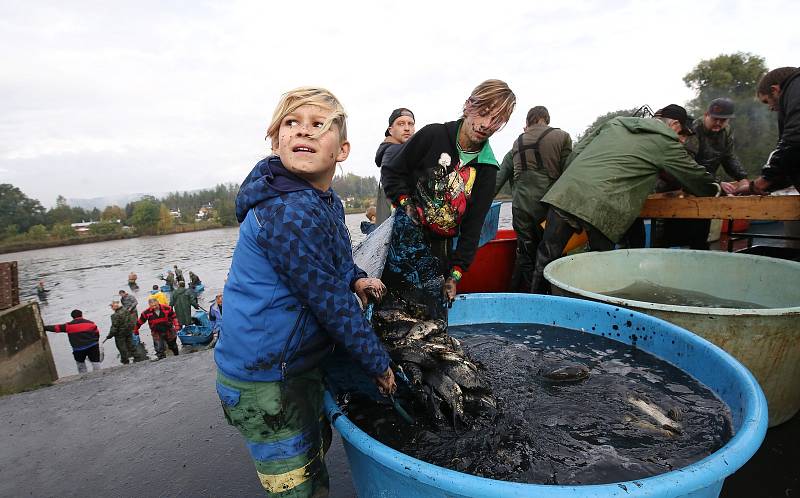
(289, 297)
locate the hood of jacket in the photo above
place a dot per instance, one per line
(268, 179)
(388, 142)
(645, 125)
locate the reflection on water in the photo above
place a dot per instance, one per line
(651, 292)
(88, 277)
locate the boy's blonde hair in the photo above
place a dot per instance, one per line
(495, 94)
(309, 95)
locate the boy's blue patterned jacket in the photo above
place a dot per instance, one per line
(289, 290)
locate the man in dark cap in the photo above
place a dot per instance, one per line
(780, 90)
(608, 178)
(712, 146)
(401, 128)
(533, 164)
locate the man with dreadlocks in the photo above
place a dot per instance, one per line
(442, 181)
(444, 177)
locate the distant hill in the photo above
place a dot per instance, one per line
(102, 202)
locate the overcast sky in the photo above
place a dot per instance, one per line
(107, 98)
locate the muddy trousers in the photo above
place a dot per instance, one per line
(124, 346)
(161, 340)
(93, 353)
(557, 233)
(529, 234)
(285, 430)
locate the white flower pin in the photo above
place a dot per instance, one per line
(444, 160)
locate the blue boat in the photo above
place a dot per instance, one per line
(193, 335)
(199, 288)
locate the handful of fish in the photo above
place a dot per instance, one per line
(441, 377)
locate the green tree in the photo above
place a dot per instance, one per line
(164, 218)
(145, 215)
(736, 76)
(18, 209)
(37, 232)
(113, 213)
(105, 228)
(63, 231)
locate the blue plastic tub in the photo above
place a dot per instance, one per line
(381, 471)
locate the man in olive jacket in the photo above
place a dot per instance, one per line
(609, 177)
(533, 164)
(122, 324)
(182, 302)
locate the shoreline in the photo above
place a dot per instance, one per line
(91, 239)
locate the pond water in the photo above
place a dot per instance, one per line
(634, 416)
(89, 276)
(651, 292)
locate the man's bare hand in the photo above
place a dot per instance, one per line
(386, 383)
(450, 289)
(369, 288)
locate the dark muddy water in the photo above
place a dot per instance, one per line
(635, 416)
(654, 293)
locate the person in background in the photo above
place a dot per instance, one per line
(369, 225)
(132, 279)
(290, 298)
(163, 327)
(443, 179)
(170, 280)
(158, 295)
(711, 144)
(194, 280)
(178, 274)
(780, 90)
(182, 301)
(122, 324)
(129, 302)
(608, 179)
(401, 128)
(534, 163)
(84, 337)
(215, 316)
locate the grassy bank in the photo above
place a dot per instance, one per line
(19, 244)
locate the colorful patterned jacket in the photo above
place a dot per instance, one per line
(289, 293)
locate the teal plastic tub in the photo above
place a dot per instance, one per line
(379, 471)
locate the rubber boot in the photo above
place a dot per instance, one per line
(96, 365)
(81, 367)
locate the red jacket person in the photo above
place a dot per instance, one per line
(84, 337)
(163, 327)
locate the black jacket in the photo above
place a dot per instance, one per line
(385, 153)
(417, 158)
(783, 165)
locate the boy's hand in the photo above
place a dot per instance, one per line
(385, 382)
(369, 288)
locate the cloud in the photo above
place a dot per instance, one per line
(102, 98)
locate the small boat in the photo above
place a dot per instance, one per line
(166, 288)
(193, 335)
(199, 288)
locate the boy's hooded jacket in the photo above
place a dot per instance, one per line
(289, 290)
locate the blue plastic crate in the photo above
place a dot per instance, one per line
(490, 224)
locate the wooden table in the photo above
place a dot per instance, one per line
(753, 207)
